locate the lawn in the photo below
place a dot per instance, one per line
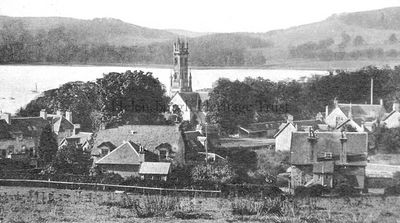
(24, 204)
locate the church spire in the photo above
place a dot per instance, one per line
(181, 79)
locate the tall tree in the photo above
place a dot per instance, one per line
(47, 146)
(231, 104)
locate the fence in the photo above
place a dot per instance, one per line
(109, 187)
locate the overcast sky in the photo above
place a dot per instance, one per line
(200, 15)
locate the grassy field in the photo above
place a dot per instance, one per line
(23, 204)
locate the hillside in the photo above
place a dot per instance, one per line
(347, 40)
(374, 27)
(96, 31)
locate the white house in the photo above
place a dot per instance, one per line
(283, 137)
(360, 116)
(392, 120)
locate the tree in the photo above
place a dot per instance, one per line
(358, 41)
(393, 39)
(387, 140)
(47, 146)
(230, 104)
(72, 159)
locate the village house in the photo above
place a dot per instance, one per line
(361, 117)
(260, 129)
(20, 138)
(124, 160)
(328, 158)
(392, 120)
(284, 136)
(185, 105)
(164, 142)
(79, 140)
(155, 170)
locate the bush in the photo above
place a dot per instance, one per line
(110, 178)
(345, 190)
(318, 190)
(252, 207)
(393, 190)
(154, 206)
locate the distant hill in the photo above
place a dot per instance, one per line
(347, 40)
(375, 27)
(96, 31)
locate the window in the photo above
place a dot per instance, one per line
(104, 152)
(328, 155)
(163, 154)
(10, 149)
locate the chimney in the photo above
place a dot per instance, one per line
(43, 114)
(336, 103)
(6, 117)
(372, 91)
(290, 118)
(68, 116)
(350, 115)
(77, 127)
(381, 101)
(141, 154)
(396, 106)
(60, 113)
(326, 111)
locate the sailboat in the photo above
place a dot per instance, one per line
(35, 90)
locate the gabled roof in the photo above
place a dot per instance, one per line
(261, 127)
(125, 154)
(356, 144)
(192, 99)
(82, 136)
(204, 96)
(28, 126)
(149, 136)
(155, 168)
(60, 124)
(363, 110)
(281, 128)
(389, 114)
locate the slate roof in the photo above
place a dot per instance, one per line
(149, 136)
(60, 124)
(261, 127)
(82, 136)
(192, 99)
(29, 126)
(356, 145)
(125, 154)
(363, 110)
(192, 140)
(154, 168)
(204, 96)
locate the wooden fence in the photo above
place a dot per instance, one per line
(109, 187)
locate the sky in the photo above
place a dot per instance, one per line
(199, 15)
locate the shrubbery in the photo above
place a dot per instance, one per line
(393, 190)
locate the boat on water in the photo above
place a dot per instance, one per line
(35, 90)
(11, 98)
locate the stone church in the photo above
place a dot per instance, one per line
(185, 105)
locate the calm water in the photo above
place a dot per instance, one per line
(18, 82)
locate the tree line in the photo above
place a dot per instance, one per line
(59, 45)
(234, 103)
(326, 50)
(132, 97)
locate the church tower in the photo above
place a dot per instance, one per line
(181, 79)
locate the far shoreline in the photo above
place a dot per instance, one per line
(290, 64)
